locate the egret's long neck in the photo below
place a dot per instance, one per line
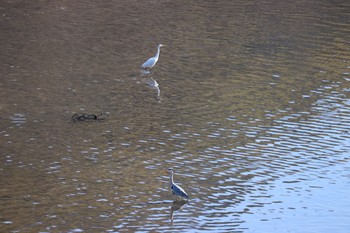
(158, 52)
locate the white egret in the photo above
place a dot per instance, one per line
(176, 189)
(153, 60)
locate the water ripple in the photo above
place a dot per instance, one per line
(253, 115)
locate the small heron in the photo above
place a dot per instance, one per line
(176, 189)
(153, 60)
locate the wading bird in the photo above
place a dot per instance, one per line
(176, 189)
(153, 60)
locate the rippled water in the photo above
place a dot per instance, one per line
(249, 103)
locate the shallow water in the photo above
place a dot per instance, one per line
(249, 103)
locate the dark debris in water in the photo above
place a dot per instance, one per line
(89, 117)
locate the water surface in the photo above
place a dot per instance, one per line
(249, 103)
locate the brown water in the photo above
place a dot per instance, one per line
(249, 103)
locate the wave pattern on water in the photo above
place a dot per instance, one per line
(253, 115)
(293, 149)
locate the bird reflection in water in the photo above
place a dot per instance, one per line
(176, 206)
(153, 84)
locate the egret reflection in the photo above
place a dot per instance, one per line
(153, 84)
(176, 206)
